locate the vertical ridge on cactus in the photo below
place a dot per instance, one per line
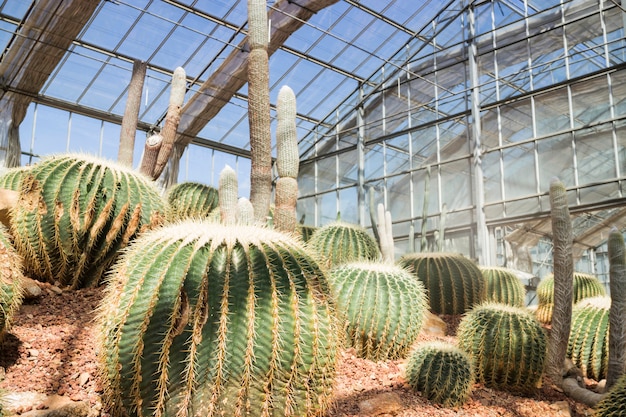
(75, 212)
(11, 282)
(503, 286)
(614, 403)
(617, 313)
(191, 199)
(339, 242)
(209, 319)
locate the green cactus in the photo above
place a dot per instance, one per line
(617, 313)
(588, 345)
(11, 281)
(503, 286)
(382, 305)
(75, 213)
(209, 319)
(507, 346)
(191, 199)
(614, 403)
(228, 195)
(305, 231)
(584, 286)
(339, 242)
(454, 282)
(11, 178)
(442, 372)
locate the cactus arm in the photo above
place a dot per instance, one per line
(228, 190)
(128, 129)
(150, 154)
(617, 313)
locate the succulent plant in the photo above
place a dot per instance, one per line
(588, 345)
(507, 345)
(503, 286)
(75, 213)
(617, 313)
(191, 199)
(306, 231)
(11, 284)
(442, 372)
(454, 283)
(11, 178)
(209, 319)
(614, 403)
(339, 242)
(584, 286)
(382, 307)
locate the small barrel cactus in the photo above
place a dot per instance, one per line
(614, 403)
(588, 345)
(454, 282)
(205, 319)
(442, 372)
(339, 242)
(191, 200)
(75, 213)
(383, 307)
(584, 286)
(11, 284)
(503, 286)
(507, 345)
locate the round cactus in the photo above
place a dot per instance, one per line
(585, 286)
(75, 213)
(442, 372)
(614, 404)
(191, 199)
(503, 286)
(588, 345)
(11, 282)
(11, 178)
(208, 319)
(507, 345)
(454, 282)
(383, 307)
(339, 242)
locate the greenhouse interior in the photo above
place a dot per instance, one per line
(455, 115)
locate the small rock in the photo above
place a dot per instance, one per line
(385, 403)
(562, 408)
(83, 378)
(33, 353)
(433, 325)
(32, 289)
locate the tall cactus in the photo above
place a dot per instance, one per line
(339, 242)
(442, 372)
(228, 195)
(454, 282)
(191, 199)
(507, 345)
(11, 282)
(210, 320)
(617, 314)
(503, 286)
(76, 212)
(382, 305)
(287, 162)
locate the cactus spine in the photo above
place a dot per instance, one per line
(507, 345)
(442, 372)
(614, 403)
(191, 199)
(503, 286)
(11, 284)
(337, 243)
(75, 213)
(617, 314)
(382, 305)
(208, 319)
(454, 282)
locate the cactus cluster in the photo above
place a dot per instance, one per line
(442, 372)
(75, 213)
(208, 319)
(339, 242)
(191, 199)
(11, 284)
(588, 345)
(503, 286)
(507, 345)
(382, 306)
(454, 283)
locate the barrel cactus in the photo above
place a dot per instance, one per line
(585, 286)
(588, 345)
(11, 284)
(614, 404)
(75, 213)
(191, 199)
(454, 282)
(11, 178)
(340, 242)
(503, 286)
(382, 305)
(206, 319)
(507, 345)
(442, 372)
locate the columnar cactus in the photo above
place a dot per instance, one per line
(454, 282)
(617, 314)
(503, 286)
(442, 372)
(339, 242)
(614, 404)
(507, 345)
(588, 345)
(205, 319)
(228, 195)
(191, 199)
(75, 213)
(11, 281)
(382, 307)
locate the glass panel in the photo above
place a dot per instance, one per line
(348, 168)
(492, 176)
(399, 197)
(85, 135)
(618, 90)
(552, 112)
(556, 156)
(590, 101)
(50, 131)
(516, 123)
(348, 205)
(327, 208)
(425, 193)
(489, 129)
(326, 174)
(424, 145)
(454, 141)
(595, 155)
(621, 146)
(374, 160)
(397, 154)
(306, 179)
(547, 54)
(111, 141)
(456, 184)
(305, 208)
(516, 160)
